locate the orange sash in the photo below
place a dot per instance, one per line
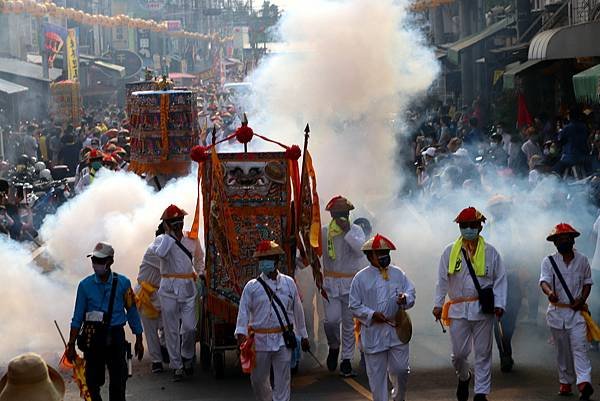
(446, 308)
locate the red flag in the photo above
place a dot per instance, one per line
(523, 116)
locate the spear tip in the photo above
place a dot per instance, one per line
(307, 129)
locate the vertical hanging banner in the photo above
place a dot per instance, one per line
(54, 40)
(72, 56)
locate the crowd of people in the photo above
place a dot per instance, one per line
(454, 146)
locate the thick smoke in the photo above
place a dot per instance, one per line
(358, 67)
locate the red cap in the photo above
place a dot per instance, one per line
(173, 212)
(95, 154)
(562, 229)
(469, 215)
(339, 204)
(379, 243)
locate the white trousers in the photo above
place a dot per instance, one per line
(336, 312)
(179, 322)
(261, 380)
(477, 335)
(574, 365)
(152, 328)
(392, 363)
(311, 303)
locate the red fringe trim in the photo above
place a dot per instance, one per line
(221, 308)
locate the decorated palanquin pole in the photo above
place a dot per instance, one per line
(164, 130)
(246, 198)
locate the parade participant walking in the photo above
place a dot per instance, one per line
(104, 303)
(271, 312)
(379, 293)
(343, 257)
(181, 262)
(566, 279)
(472, 274)
(501, 229)
(148, 304)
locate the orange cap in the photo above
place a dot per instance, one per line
(562, 229)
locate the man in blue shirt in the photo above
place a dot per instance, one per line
(574, 140)
(91, 305)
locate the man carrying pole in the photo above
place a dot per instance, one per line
(181, 263)
(342, 259)
(566, 279)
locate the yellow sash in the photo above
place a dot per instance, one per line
(144, 300)
(593, 331)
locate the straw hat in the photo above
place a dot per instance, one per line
(562, 229)
(30, 378)
(339, 204)
(267, 248)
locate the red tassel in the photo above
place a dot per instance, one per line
(244, 134)
(293, 152)
(199, 154)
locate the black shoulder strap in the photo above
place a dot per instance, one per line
(471, 270)
(111, 303)
(561, 279)
(183, 248)
(273, 297)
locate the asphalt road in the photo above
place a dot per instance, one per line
(432, 378)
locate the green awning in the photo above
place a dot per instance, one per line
(586, 84)
(457, 47)
(511, 73)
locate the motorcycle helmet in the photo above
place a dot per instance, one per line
(45, 174)
(39, 166)
(24, 160)
(33, 160)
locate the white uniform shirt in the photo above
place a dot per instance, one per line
(349, 259)
(255, 310)
(596, 258)
(576, 275)
(175, 261)
(370, 293)
(150, 272)
(460, 285)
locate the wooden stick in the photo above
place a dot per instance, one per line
(61, 334)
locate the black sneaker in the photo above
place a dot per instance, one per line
(178, 375)
(157, 367)
(165, 354)
(480, 397)
(332, 358)
(188, 366)
(585, 391)
(506, 364)
(462, 390)
(346, 369)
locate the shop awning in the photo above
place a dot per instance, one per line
(11, 88)
(585, 84)
(457, 47)
(27, 70)
(566, 42)
(511, 73)
(117, 69)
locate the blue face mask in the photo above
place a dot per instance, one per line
(266, 266)
(469, 233)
